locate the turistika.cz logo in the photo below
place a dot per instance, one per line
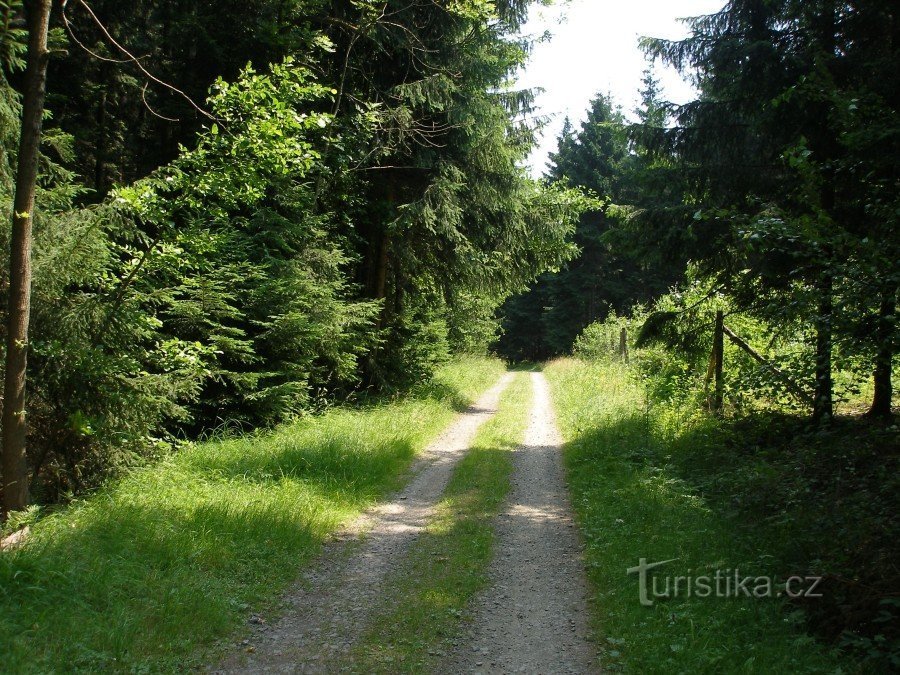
(726, 583)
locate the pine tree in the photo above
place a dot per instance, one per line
(610, 274)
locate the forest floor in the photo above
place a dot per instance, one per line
(521, 606)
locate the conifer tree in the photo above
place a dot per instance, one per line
(14, 467)
(766, 150)
(613, 270)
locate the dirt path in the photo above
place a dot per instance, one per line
(331, 607)
(533, 617)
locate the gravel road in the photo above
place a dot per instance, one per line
(331, 606)
(533, 618)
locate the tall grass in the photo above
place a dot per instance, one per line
(147, 574)
(624, 457)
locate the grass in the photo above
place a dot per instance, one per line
(448, 564)
(150, 572)
(635, 472)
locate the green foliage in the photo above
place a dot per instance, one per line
(447, 210)
(258, 270)
(327, 200)
(103, 380)
(609, 274)
(780, 206)
(13, 38)
(472, 325)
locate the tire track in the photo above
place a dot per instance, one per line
(534, 616)
(331, 606)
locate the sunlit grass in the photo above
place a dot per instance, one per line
(148, 573)
(632, 503)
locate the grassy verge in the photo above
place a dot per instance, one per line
(634, 471)
(448, 564)
(147, 573)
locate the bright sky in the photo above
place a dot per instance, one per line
(594, 50)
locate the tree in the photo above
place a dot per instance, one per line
(448, 206)
(611, 272)
(125, 124)
(15, 472)
(777, 182)
(345, 212)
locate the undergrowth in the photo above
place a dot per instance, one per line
(763, 494)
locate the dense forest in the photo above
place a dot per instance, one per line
(255, 255)
(237, 221)
(776, 190)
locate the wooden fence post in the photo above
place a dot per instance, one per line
(623, 345)
(718, 353)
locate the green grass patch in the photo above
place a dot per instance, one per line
(148, 573)
(448, 564)
(633, 471)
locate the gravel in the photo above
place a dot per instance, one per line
(330, 608)
(533, 618)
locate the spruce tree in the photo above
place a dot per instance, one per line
(766, 151)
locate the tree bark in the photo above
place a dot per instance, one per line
(15, 471)
(823, 405)
(881, 401)
(381, 269)
(623, 345)
(100, 151)
(825, 145)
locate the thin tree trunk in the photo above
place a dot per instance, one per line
(381, 269)
(881, 401)
(100, 150)
(826, 146)
(823, 405)
(15, 471)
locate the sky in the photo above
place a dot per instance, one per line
(594, 49)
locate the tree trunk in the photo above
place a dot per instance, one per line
(823, 406)
(381, 269)
(825, 145)
(15, 472)
(100, 150)
(881, 401)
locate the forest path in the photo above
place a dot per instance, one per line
(533, 617)
(331, 606)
